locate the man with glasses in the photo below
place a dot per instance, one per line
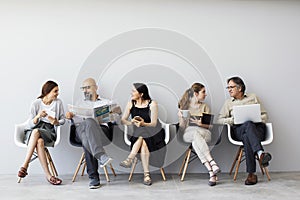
(250, 133)
(90, 134)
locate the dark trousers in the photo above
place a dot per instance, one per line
(251, 134)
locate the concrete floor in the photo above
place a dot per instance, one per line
(282, 185)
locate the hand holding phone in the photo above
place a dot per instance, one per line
(138, 118)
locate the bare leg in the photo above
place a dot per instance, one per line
(31, 146)
(145, 155)
(136, 147)
(42, 157)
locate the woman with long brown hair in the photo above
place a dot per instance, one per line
(46, 113)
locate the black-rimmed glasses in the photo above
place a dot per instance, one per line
(86, 87)
(231, 87)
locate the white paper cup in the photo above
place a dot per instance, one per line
(185, 113)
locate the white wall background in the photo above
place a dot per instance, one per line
(257, 40)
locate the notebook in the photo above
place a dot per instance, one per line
(245, 113)
(205, 119)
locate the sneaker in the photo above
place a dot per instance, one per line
(104, 160)
(94, 183)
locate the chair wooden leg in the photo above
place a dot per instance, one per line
(106, 174)
(162, 171)
(83, 168)
(51, 163)
(132, 169)
(19, 180)
(241, 150)
(235, 159)
(112, 169)
(267, 173)
(183, 162)
(81, 161)
(261, 169)
(186, 164)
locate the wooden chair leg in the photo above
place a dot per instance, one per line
(106, 174)
(112, 169)
(162, 171)
(241, 150)
(81, 161)
(132, 169)
(183, 162)
(19, 180)
(186, 164)
(267, 173)
(261, 169)
(234, 161)
(51, 163)
(83, 168)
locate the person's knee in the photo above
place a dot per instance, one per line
(35, 134)
(248, 124)
(40, 143)
(90, 122)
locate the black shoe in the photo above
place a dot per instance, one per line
(264, 159)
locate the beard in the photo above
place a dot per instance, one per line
(87, 96)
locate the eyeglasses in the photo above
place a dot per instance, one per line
(86, 87)
(231, 87)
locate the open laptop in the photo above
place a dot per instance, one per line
(245, 113)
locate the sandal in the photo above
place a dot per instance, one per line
(54, 180)
(215, 167)
(147, 179)
(212, 176)
(23, 172)
(128, 162)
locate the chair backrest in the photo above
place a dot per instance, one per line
(19, 134)
(72, 137)
(164, 125)
(268, 139)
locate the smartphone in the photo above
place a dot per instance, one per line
(138, 118)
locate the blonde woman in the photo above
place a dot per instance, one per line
(194, 131)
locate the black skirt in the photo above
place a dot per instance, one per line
(155, 143)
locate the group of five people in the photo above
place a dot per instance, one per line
(147, 139)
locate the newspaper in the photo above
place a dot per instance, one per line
(101, 113)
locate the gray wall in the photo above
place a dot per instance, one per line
(64, 41)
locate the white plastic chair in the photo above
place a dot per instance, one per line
(18, 138)
(240, 153)
(166, 127)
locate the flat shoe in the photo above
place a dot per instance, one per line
(54, 180)
(23, 172)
